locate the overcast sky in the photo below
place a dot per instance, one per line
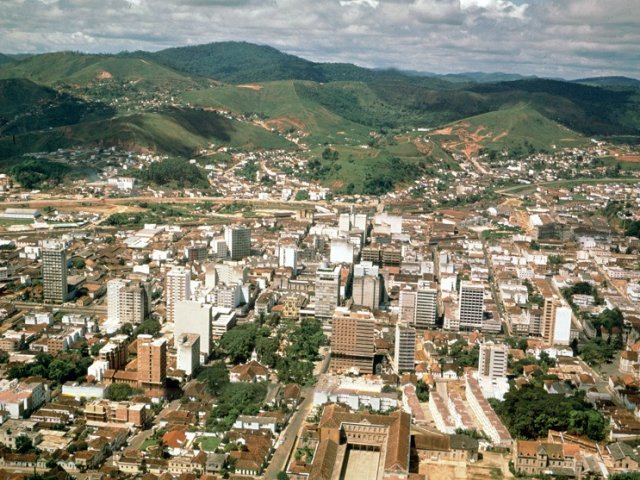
(558, 38)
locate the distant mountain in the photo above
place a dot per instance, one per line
(610, 81)
(4, 59)
(484, 77)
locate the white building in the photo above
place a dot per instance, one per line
(188, 348)
(177, 288)
(193, 318)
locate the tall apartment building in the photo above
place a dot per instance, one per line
(288, 256)
(366, 285)
(194, 317)
(238, 240)
(555, 325)
(188, 349)
(177, 288)
(127, 302)
(115, 352)
(352, 338)
(54, 271)
(471, 304)
(151, 362)
(492, 363)
(426, 305)
(327, 291)
(405, 349)
(419, 305)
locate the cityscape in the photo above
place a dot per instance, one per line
(224, 261)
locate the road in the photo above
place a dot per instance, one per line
(290, 435)
(71, 308)
(495, 291)
(292, 431)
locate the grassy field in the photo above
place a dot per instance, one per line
(209, 444)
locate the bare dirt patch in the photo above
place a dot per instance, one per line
(104, 75)
(251, 86)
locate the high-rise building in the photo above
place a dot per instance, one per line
(352, 336)
(238, 240)
(127, 302)
(115, 352)
(196, 252)
(471, 306)
(188, 349)
(288, 256)
(556, 317)
(492, 363)
(152, 361)
(407, 305)
(426, 305)
(366, 291)
(177, 288)
(194, 317)
(405, 349)
(54, 271)
(327, 291)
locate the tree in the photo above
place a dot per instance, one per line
(119, 392)
(302, 195)
(267, 349)
(24, 444)
(214, 377)
(282, 475)
(240, 341)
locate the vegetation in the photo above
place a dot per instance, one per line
(175, 173)
(236, 399)
(119, 392)
(39, 173)
(529, 412)
(69, 365)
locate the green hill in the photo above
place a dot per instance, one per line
(4, 59)
(77, 68)
(280, 105)
(26, 106)
(174, 131)
(519, 130)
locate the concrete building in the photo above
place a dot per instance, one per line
(327, 291)
(127, 302)
(492, 363)
(426, 309)
(471, 305)
(151, 362)
(342, 251)
(115, 352)
(177, 288)
(288, 256)
(556, 316)
(188, 348)
(194, 318)
(352, 338)
(54, 271)
(405, 349)
(357, 393)
(366, 291)
(238, 240)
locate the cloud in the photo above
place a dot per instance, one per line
(545, 37)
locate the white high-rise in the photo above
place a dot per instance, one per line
(426, 305)
(493, 360)
(177, 288)
(327, 291)
(194, 317)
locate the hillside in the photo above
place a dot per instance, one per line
(26, 106)
(5, 59)
(610, 82)
(173, 131)
(77, 68)
(519, 130)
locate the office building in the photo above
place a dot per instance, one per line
(471, 305)
(177, 288)
(115, 352)
(342, 251)
(196, 252)
(366, 291)
(152, 361)
(352, 338)
(327, 291)
(492, 363)
(407, 305)
(426, 305)
(288, 256)
(238, 240)
(194, 318)
(188, 349)
(54, 271)
(555, 325)
(405, 349)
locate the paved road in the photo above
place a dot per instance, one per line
(90, 310)
(290, 434)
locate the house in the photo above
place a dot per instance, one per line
(248, 422)
(254, 456)
(624, 457)
(251, 372)
(535, 458)
(175, 441)
(184, 464)
(436, 447)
